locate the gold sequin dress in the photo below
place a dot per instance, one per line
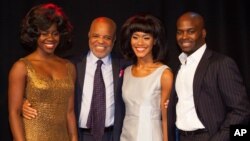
(50, 99)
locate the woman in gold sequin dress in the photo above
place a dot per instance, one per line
(46, 80)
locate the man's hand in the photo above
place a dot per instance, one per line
(27, 111)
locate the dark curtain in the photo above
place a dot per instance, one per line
(227, 22)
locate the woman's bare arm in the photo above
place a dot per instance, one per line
(17, 81)
(166, 86)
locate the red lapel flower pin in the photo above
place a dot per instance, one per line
(121, 73)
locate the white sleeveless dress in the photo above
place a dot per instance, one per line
(142, 97)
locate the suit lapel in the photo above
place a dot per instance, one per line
(115, 68)
(200, 73)
(81, 67)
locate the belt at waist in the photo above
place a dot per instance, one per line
(190, 133)
(88, 130)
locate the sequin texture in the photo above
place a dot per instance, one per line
(50, 98)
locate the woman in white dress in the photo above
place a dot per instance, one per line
(147, 82)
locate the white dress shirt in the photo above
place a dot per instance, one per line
(187, 118)
(88, 89)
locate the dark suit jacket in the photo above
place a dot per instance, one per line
(118, 64)
(220, 97)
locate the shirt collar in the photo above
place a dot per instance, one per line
(196, 56)
(93, 59)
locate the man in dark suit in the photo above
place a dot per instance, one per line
(209, 93)
(101, 41)
(102, 35)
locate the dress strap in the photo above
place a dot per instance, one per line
(70, 68)
(28, 64)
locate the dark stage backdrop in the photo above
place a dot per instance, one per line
(228, 30)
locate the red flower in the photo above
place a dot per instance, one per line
(121, 73)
